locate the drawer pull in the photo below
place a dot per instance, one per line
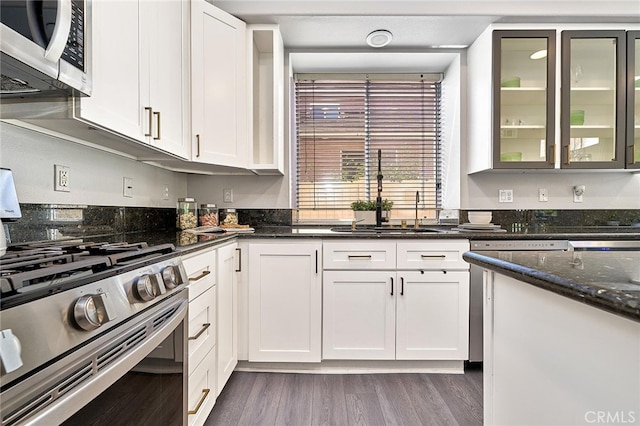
(359, 256)
(205, 393)
(202, 330)
(392, 286)
(432, 256)
(202, 275)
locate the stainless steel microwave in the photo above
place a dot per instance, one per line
(45, 47)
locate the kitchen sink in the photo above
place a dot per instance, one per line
(385, 230)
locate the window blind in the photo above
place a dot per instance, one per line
(341, 125)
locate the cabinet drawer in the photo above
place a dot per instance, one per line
(200, 269)
(359, 255)
(202, 326)
(202, 392)
(435, 254)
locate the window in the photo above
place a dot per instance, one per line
(343, 122)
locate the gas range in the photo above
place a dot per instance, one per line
(65, 301)
(33, 270)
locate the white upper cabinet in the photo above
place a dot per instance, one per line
(266, 97)
(140, 78)
(219, 129)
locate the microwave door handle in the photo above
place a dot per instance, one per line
(36, 22)
(60, 32)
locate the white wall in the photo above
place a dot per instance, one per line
(95, 176)
(452, 128)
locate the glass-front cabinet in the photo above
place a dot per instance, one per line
(524, 99)
(592, 114)
(633, 100)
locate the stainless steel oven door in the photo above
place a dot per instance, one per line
(134, 374)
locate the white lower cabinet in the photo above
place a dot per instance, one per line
(202, 386)
(391, 313)
(285, 299)
(358, 315)
(227, 314)
(202, 391)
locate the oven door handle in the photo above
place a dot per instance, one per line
(77, 398)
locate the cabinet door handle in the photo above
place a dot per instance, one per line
(567, 152)
(433, 256)
(202, 275)
(239, 250)
(202, 330)
(316, 261)
(359, 256)
(157, 114)
(552, 155)
(149, 118)
(631, 155)
(392, 286)
(197, 145)
(401, 286)
(205, 392)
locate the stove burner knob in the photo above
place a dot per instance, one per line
(170, 277)
(144, 289)
(87, 313)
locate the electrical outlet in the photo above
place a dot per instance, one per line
(127, 187)
(227, 195)
(165, 192)
(61, 178)
(543, 195)
(505, 196)
(578, 192)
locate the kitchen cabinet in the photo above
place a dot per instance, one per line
(285, 299)
(524, 99)
(538, 346)
(547, 98)
(395, 300)
(139, 77)
(227, 313)
(633, 100)
(265, 55)
(219, 99)
(593, 94)
(201, 271)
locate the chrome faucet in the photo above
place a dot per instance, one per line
(379, 197)
(417, 224)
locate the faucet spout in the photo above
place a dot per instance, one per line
(417, 224)
(379, 197)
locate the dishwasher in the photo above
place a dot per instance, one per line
(504, 249)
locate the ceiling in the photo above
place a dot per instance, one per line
(327, 27)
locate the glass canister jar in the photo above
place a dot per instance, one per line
(187, 213)
(231, 217)
(208, 215)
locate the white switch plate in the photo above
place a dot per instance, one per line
(61, 178)
(227, 195)
(127, 187)
(505, 196)
(165, 192)
(543, 194)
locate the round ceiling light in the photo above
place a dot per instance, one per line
(379, 38)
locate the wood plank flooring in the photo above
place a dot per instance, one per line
(352, 399)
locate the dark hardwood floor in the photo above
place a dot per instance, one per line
(352, 399)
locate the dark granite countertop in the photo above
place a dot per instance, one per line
(608, 280)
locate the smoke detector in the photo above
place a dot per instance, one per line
(379, 38)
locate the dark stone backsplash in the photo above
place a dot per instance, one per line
(540, 221)
(47, 222)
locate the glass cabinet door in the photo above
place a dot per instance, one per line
(524, 99)
(593, 99)
(633, 100)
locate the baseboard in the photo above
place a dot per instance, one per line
(355, 367)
